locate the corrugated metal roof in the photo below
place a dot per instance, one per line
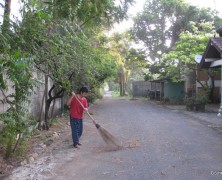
(213, 50)
(217, 43)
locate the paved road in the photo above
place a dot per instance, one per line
(159, 143)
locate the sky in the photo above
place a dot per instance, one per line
(15, 6)
(214, 4)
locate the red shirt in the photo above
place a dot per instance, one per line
(76, 110)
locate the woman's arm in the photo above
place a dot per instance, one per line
(70, 99)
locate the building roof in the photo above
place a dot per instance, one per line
(212, 53)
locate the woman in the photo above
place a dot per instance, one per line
(76, 114)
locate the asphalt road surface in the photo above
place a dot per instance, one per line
(158, 143)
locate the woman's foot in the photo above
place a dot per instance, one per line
(75, 146)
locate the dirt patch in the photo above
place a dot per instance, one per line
(106, 149)
(133, 143)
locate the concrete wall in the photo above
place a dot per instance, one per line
(37, 99)
(10, 90)
(140, 88)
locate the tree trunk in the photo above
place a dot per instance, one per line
(53, 106)
(41, 111)
(49, 97)
(47, 106)
(122, 81)
(46, 126)
(7, 11)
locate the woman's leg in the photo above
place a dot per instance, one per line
(80, 130)
(74, 127)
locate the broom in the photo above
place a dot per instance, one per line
(106, 135)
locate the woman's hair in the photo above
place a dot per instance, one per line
(83, 90)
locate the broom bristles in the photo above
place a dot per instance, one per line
(109, 138)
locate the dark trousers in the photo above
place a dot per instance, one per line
(77, 129)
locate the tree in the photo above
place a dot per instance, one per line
(159, 24)
(89, 13)
(179, 62)
(6, 19)
(16, 76)
(69, 57)
(189, 45)
(64, 56)
(129, 60)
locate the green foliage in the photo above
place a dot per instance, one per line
(21, 149)
(16, 78)
(148, 77)
(67, 55)
(97, 93)
(15, 126)
(159, 25)
(89, 13)
(129, 60)
(199, 99)
(62, 48)
(181, 57)
(113, 86)
(53, 121)
(115, 94)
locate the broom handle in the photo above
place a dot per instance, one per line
(94, 122)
